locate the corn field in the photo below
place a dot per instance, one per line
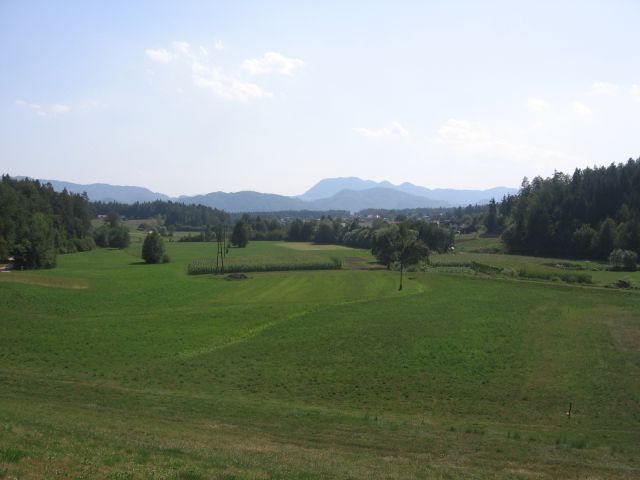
(208, 266)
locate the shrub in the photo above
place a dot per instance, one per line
(68, 247)
(101, 236)
(198, 237)
(509, 272)
(11, 455)
(84, 244)
(119, 237)
(74, 245)
(153, 248)
(625, 260)
(451, 264)
(115, 237)
(623, 283)
(483, 268)
(565, 265)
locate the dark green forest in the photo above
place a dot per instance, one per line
(37, 223)
(177, 215)
(585, 215)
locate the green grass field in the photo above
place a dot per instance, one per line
(476, 248)
(110, 368)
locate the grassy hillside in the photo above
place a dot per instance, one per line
(115, 369)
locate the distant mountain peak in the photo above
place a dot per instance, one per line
(329, 187)
(341, 193)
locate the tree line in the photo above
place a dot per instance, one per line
(177, 215)
(585, 215)
(353, 234)
(328, 230)
(286, 214)
(37, 223)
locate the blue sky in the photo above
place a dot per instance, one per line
(192, 97)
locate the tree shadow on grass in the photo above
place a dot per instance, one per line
(138, 263)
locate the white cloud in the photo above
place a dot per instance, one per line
(60, 108)
(581, 109)
(399, 129)
(635, 91)
(471, 138)
(90, 105)
(395, 129)
(32, 106)
(538, 105)
(218, 45)
(182, 47)
(226, 86)
(229, 84)
(272, 62)
(160, 55)
(604, 88)
(44, 111)
(465, 135)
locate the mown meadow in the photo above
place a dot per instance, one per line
(114, 369)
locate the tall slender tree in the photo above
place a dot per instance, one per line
(240, 235)
(491, 219)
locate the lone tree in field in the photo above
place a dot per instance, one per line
(383, 246)
(240, 234)
(400, 246)
(153, 249)
(411, 250)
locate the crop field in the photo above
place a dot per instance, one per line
(265, 256)
(307, 247)
(113, 369)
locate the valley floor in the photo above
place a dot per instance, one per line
(114, 369)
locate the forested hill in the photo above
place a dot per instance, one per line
(37, 223)
(586, 215)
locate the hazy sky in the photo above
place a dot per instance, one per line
(191, 97)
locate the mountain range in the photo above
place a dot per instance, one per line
(441, 197)
(344, 193)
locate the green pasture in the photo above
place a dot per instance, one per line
(110, 368)
(478, 243)
(475, 247)
(599, 272)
